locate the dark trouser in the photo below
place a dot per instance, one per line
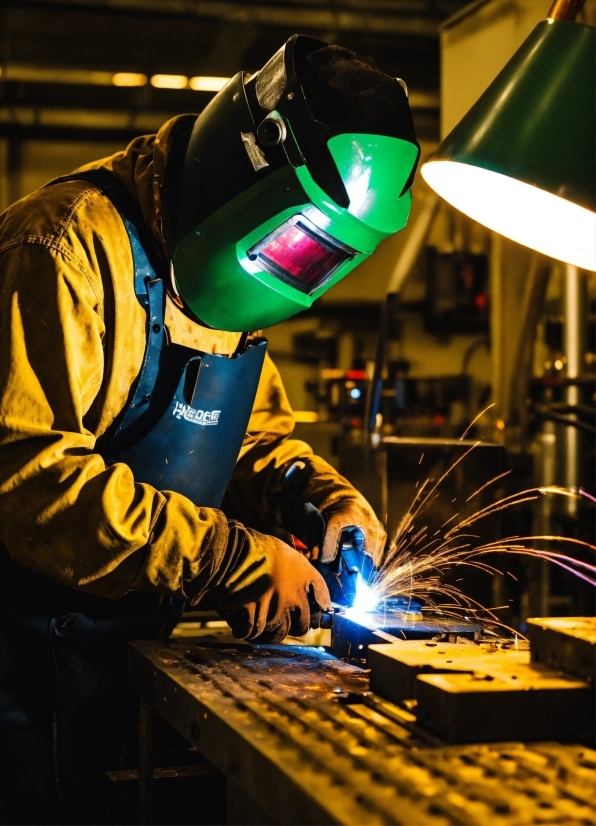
(66, 712)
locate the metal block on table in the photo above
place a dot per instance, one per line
(521, 702)
(565, 643)
(394, 668)
(352, 634)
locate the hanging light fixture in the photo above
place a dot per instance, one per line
(522, 160)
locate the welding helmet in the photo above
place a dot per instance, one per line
(291, 179)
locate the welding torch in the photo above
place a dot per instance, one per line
(341, 573)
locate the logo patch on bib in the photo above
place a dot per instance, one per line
(202, 417)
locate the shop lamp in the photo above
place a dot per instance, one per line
(522, 160)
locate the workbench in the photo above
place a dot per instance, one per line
(298, 732)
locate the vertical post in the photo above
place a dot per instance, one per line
(145, 798)
(546, 474)
(575, 301)
(496, 320)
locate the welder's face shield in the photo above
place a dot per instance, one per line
(300, 255)
(296, 203)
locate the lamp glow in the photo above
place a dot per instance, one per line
(526, 214)
(522, 160)
(169, 81)
(207, 84)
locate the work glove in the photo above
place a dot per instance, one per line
(269, 589)
(312, 485)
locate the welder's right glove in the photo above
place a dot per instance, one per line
(264, 591)
(313, 485)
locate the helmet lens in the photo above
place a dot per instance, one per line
(299, 254)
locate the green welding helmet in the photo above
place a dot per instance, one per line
(291, 179)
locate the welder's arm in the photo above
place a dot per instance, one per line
(259, 495)
(63, 513)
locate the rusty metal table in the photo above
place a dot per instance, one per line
(300, 734)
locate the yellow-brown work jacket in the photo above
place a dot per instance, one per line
(72, 339)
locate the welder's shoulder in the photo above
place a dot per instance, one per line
(75, 221)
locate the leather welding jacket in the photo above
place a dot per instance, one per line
(72, 338)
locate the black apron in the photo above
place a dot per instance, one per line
(66, 715)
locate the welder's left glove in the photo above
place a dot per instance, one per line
(313, 481)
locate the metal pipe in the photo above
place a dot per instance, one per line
(565, 9)
(414, 243)
(514, 409)
(546, 467)
(575, 304)
(403, 266)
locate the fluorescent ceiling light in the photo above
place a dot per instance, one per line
(207, 84)
(129, 79)
(169, 81)
(42, 74)
(526, 214)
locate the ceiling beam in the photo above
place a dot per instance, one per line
(392, 17)
(75, 134)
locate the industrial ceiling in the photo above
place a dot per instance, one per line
(58, 58)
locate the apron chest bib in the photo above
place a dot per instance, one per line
(185, 424)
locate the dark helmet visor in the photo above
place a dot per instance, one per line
(300, 254)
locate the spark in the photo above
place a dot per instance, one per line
(414, 570)
(441, 479)
(486, 484)
(473, 422)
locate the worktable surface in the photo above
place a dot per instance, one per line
(299, 732)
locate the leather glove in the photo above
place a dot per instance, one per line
(313, 481)
(351, 511)
(265, 594)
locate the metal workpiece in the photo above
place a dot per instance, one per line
(353, 634)
(394, 668)
(508, 702)
(490, 691)
(565, 643)
(483, 692)
(299, 732)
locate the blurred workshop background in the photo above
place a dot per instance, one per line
(479, 320)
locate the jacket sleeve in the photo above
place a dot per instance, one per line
(64, 514)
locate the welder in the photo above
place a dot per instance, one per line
(144, 432)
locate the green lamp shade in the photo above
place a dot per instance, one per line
(522, 161)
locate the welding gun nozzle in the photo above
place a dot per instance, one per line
(327, 618)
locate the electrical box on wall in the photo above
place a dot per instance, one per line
(456, 292)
